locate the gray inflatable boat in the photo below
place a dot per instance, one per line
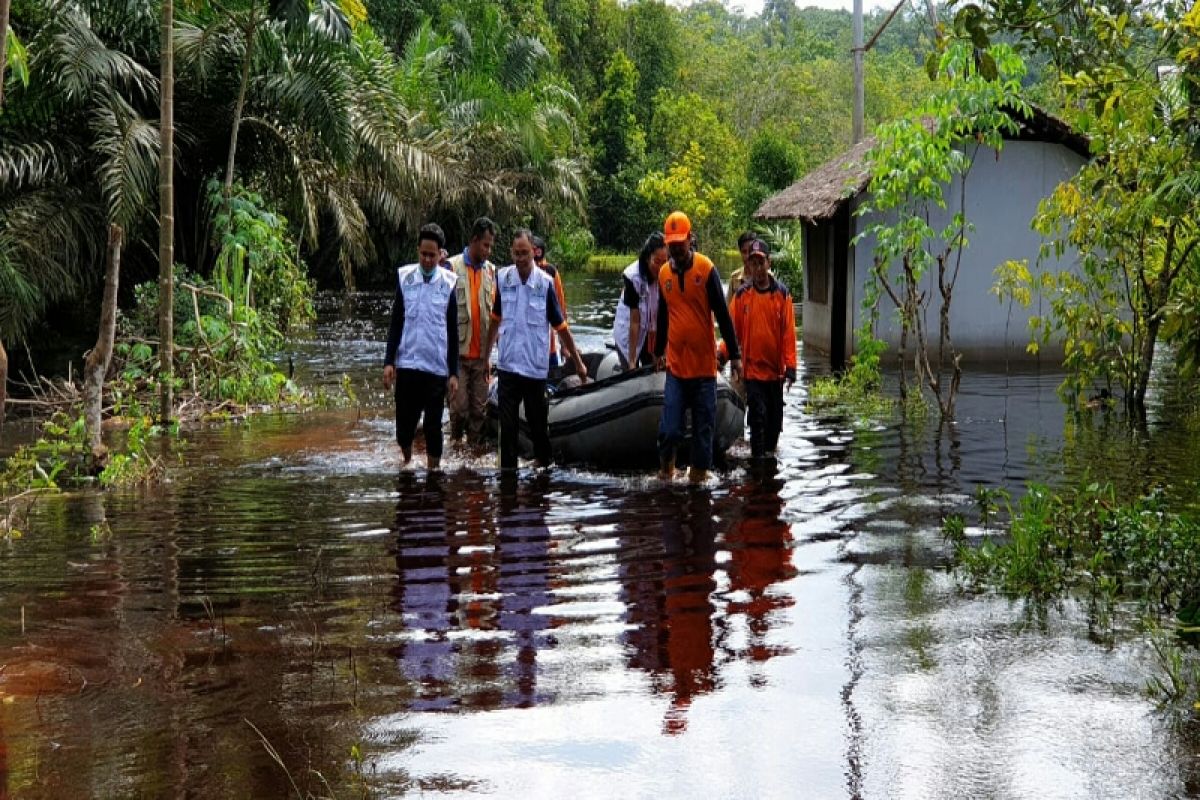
(613, 421)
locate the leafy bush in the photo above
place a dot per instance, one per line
(255, 264)
(787, 255)
(571, 249)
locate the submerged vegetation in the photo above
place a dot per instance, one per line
(1134, 559)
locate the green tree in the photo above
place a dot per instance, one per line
(617, 157)
(1131, 213)
(681, 120)
(653, 42)
(915, 161)
(683, 187)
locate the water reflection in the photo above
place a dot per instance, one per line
(586, 634)
(473, 584)
(687, 639)
(760, 548)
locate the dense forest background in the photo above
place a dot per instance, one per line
(587, 119)
(314, 137)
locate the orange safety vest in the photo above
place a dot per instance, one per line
(691, 345)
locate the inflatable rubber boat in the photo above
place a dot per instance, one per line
(613, 421)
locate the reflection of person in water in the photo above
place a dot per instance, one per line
(460, 570)
(425, 593)
(760, 553)
(524, 547)
(667, 579)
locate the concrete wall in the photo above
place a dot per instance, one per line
(1002, 195)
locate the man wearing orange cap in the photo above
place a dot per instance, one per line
(690, 296)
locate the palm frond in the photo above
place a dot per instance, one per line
(34, 163)
(329, 21)
(79, 62)
(128, 147)
(314, 94)
(50, 246)
(524, 59)
(201, 50)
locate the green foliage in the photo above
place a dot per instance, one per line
(774, 162)
(852, 397)
(61, 451)
(16, 58)
(654, 43)
(571, 248)
(255, 264)
(61, 456)
(916, 160)
(1087, 540)
(787, 254)
(1131, 216)
(684, 188)
(685, 120)
(618, 141)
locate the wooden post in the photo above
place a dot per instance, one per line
(860, 92)
(95, 366)
(166, 219)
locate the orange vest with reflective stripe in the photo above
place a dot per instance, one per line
(691, 344)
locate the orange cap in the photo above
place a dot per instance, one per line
(677, 227)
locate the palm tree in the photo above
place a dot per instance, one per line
(166, 215)
(75, 155)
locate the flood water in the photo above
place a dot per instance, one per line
(294, 615)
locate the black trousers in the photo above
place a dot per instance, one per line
(420, 394)
(764, 407)
(514, 390)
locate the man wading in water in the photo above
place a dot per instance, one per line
(525, 310)
(422, 349)
(690, 296)
(474, 292)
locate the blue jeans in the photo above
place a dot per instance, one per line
(698, 395)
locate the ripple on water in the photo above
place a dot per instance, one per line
(586, 633)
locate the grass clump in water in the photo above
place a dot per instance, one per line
(858, 392)
(1137, 556)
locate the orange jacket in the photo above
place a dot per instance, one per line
(687, 303)
(765, 324)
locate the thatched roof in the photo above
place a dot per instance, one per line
(819, 194)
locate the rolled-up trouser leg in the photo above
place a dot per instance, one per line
(458, 403)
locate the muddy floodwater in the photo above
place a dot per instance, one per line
(293, 615)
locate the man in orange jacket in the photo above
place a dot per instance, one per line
(690, 296)
(765, 324)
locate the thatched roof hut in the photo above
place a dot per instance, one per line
(819, 194)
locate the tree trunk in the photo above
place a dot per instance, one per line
(1145, 364)
(4, 5)
(3, 381)
(247, 62)
(95, 367)
(166, 218)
